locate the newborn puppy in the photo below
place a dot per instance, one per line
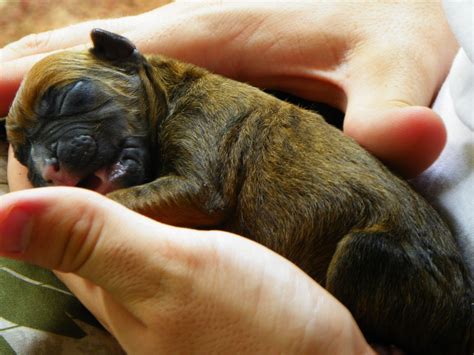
(190, 148)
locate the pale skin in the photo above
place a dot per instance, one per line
(380, 63)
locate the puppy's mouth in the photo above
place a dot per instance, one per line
(92, 182)
(128, 169)
(103, 180)
(97, 182)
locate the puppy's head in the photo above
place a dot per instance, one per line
(82, 118)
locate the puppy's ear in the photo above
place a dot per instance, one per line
(111, 46)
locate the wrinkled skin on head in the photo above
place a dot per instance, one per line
(82, 120)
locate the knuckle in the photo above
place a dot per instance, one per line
(82, 235)
(35, 42)
(207, 260)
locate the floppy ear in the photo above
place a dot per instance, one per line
(111, 46)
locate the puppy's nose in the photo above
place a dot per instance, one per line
(53, 174)
(76, 153)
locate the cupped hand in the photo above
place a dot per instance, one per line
(380, 63)
(160, 289)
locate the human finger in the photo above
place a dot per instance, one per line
(66, 37)
(69, 244)
(408, 139)
(388, 95)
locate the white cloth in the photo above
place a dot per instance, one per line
(449, 183)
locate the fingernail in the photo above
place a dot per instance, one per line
(15, 230)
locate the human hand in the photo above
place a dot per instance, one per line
(162, 289)
(380, 63)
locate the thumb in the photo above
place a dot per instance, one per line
(78, 231)
(406, 138)
(387, 113)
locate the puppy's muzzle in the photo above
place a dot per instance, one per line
(71, 155)
(77, 152)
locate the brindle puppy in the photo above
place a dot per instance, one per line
(186, 147)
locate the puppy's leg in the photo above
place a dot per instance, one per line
(175, 200)
(404, 293)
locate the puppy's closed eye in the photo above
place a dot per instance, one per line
(79, 97)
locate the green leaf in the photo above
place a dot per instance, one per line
(29, 297)
(33, 272)
(5, 348)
